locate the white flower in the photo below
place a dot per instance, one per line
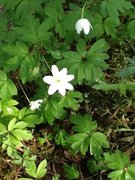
(83, 25)
(35, 104)
(59, 81)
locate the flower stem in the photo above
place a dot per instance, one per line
(24, 92)
(83, 9)
(47, 64)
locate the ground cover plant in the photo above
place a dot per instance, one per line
(67, 89)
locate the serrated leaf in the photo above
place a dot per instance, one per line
(81, 47)
(117, 160)
(77, 141)
(99, 46)
(11, 124)
(117, 175)
(112, 8)
(131, 29)
(31, 169)
(110, 27)
(3, 129)
(19, 49)
(29, 30)
(105, 86)
(71, 171)
(20, 125)
(83, 124)
(7, 87)
(31, 120)
(97, 142)
(22, 134)
(130, 173)
(41, 170)
(61, 137)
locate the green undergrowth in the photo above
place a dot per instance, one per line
(87, 131)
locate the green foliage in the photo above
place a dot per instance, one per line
(61, 138)
(36, 172)
(86, 65)
(36, 34)
(86, 136)
(128, 70)
(130, 28)
(121, 166)
(14, 135)
(23, 159)
(71, 171)
(122, 87)
(29, 117)
(7, 87)
(112, 8)
(54, 106)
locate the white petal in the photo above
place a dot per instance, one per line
(62, 90)
(63, 71)
(35, 104)
(48, 79)
(55, 70)
(69, 77)
(52, 89)
(83, 24)
(39, 101)
(78, 26)
(86, 30)
(69, 86)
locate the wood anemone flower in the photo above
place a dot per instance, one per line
(83, 25)
(59, 81)
(35, 104)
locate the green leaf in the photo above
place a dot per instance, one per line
(11, 124)
(99, 46)
(130, 173)
(21, 134)
(19, 49)
(105, 86)
(81, 47)
(89, 67)
(71, 171)
(77, 142)
(117, 175)
(110, 27)
(97, 142)
(31, 170)
(41, 170)
(117, 160)
(29, 69)
(112, 8)
(29, 30)
(31, 120)
(98, 26)
(52, 109)
(7, 87)
(61, 137)
(3, 129)
(83, 124)
(71, 100)
(20, 125)
(131, 28)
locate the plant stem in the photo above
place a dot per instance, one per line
(24, 92)
(83, 10)
(47, 64)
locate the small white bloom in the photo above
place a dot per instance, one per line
(59, 81)
(35, 104)
(83, 25)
